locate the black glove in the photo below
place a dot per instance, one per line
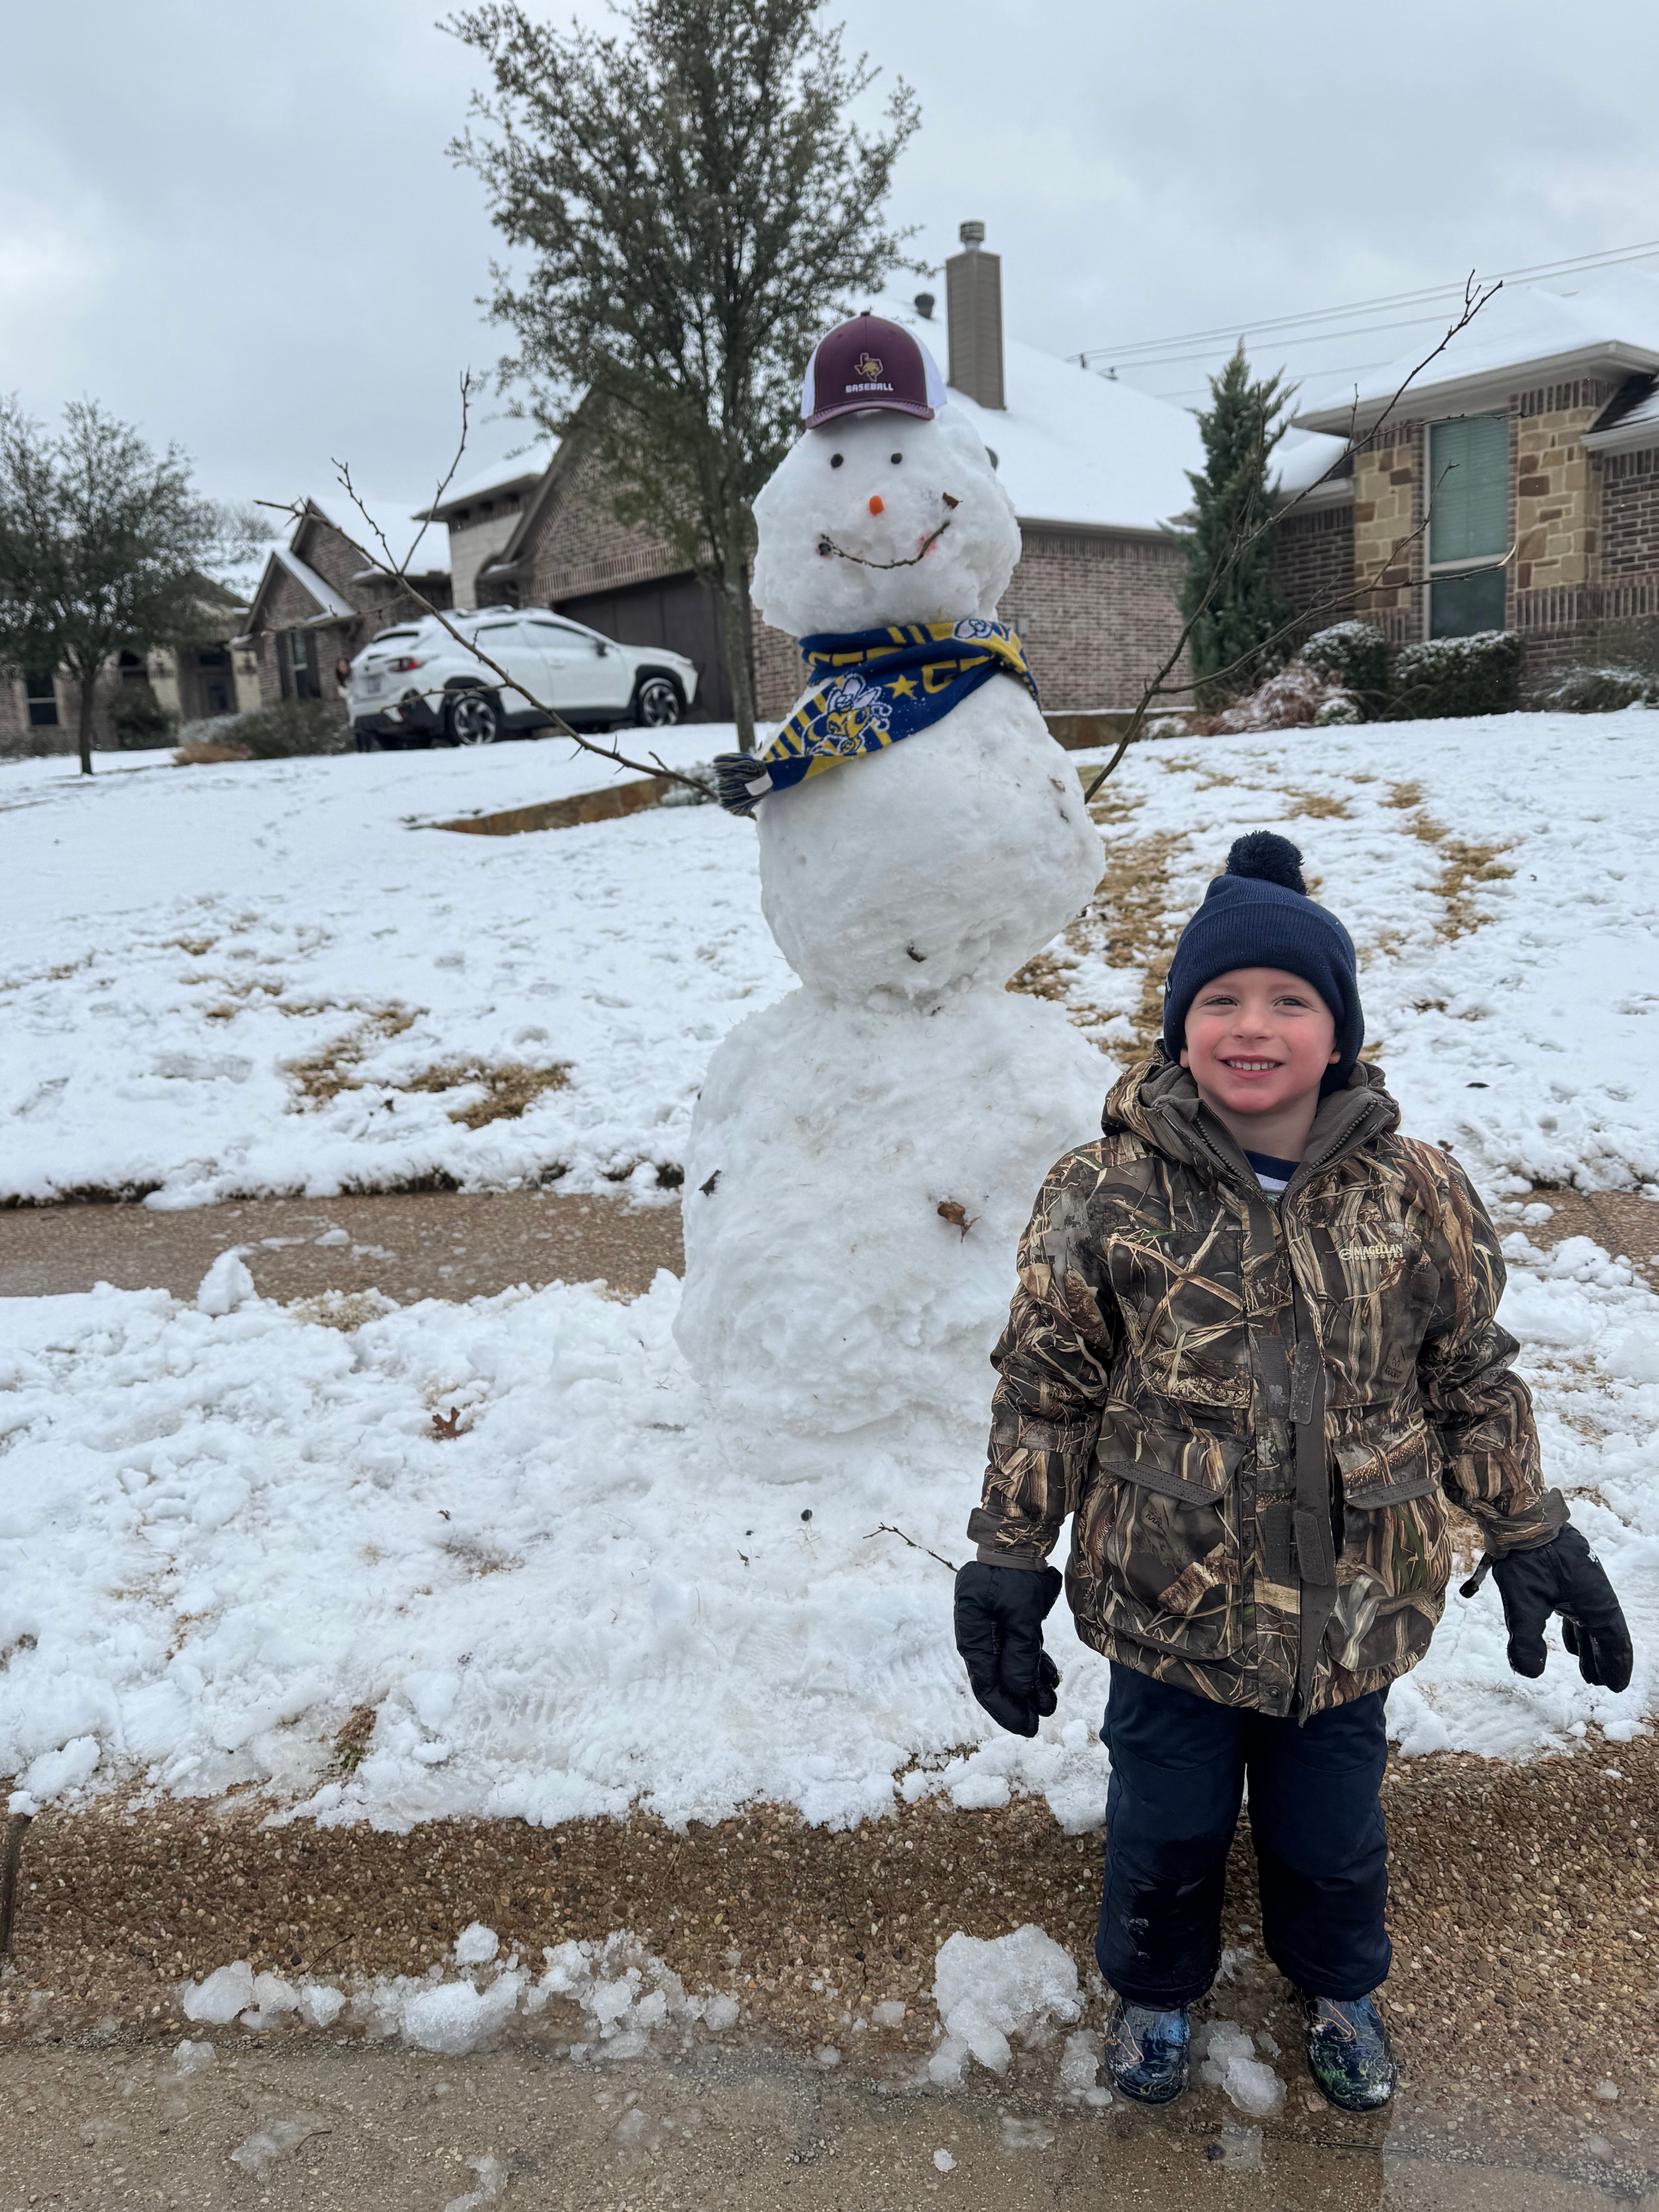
(999, 1615)
(1563, 1577)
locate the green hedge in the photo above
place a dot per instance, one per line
(1451, 676)
(1354, 654)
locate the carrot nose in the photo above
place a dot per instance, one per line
(876, 504)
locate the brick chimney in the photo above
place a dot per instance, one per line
(972, 306)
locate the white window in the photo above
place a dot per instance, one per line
(1468, 523)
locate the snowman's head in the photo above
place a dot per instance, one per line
(881, 517)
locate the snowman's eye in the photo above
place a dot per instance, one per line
(835, 459)
(896, 459)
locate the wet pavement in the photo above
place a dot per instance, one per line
(308, 2121)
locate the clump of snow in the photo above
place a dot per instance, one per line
(990, 1989)
(890, 2013)
(189, 2057)
(1080, 2065)
(944, 2162)
(1227, 2059)
(278, 2140)
(476, 1945)
(226, 1285)
(492, 2180)
(226, 1991)
(58, 1772)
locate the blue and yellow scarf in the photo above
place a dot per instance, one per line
(870, 688)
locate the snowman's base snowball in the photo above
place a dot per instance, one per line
(824, 1290)
(953, 856)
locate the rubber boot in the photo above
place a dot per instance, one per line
(1146, 2051)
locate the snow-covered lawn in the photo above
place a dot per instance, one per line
(222, 1535)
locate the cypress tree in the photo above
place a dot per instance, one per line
(1228, 592)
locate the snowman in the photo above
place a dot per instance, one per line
(865, 1152)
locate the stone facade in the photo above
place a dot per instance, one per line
(1388, 508)
(189, 682)
(1584, 526)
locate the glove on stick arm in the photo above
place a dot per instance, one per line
(1000, 1612)
(1563, 1577)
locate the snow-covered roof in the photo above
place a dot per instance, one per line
(1611, 324)
(305, 576)
(1301, 464)
(1073, 445)
(527, 468)
(1626, 421)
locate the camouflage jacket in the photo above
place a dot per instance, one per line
(1255, 1414)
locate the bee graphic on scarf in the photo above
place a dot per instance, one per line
(854, 710)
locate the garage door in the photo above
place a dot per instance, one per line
(675, 612)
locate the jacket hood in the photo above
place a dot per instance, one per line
(1158, 1101)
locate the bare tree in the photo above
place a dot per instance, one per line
(104, 548)
(696, 200)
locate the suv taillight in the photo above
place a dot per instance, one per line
(405, 661)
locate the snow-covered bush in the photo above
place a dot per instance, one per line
(1602, 690)
(1444, 677)
(1339, 712)
(1294, 699)
(293, 725)
(1355, 655)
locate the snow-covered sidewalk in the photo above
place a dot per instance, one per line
(223, 1533)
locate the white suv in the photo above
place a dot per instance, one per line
(414, 686)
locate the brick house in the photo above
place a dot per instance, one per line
(1094, 470)
(40, 711)
(1538, 430)
(319, 601)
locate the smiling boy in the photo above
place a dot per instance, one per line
(1254, 1352)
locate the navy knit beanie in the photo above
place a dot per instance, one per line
(1259, 915)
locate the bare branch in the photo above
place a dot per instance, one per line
(398, 572)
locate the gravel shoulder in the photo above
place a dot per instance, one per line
(409, 1245)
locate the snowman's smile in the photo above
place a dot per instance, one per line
(828, 548)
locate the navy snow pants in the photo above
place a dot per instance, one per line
(1179, 1762)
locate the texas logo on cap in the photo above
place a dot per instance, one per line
(870, 362)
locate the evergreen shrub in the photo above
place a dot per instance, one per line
(1592, 690)
(1447, 676)
(291, 726)
(139, 719)
(1355, 655)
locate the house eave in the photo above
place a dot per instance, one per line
(1491, 387)
(1136, 532)
(1622, 437)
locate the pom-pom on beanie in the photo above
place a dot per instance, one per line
(1258, 914)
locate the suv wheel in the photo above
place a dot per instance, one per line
(472, 718)
(657, 704)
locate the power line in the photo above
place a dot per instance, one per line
(1125, 353)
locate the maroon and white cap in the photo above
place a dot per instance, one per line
(870, 362)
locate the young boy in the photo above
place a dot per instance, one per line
(1254, 1349)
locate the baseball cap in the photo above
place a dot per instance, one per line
(870, 362)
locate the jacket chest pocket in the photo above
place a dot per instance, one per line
(1183, 1316)
(1157, 1540)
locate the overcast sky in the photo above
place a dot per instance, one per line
(238, 226)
